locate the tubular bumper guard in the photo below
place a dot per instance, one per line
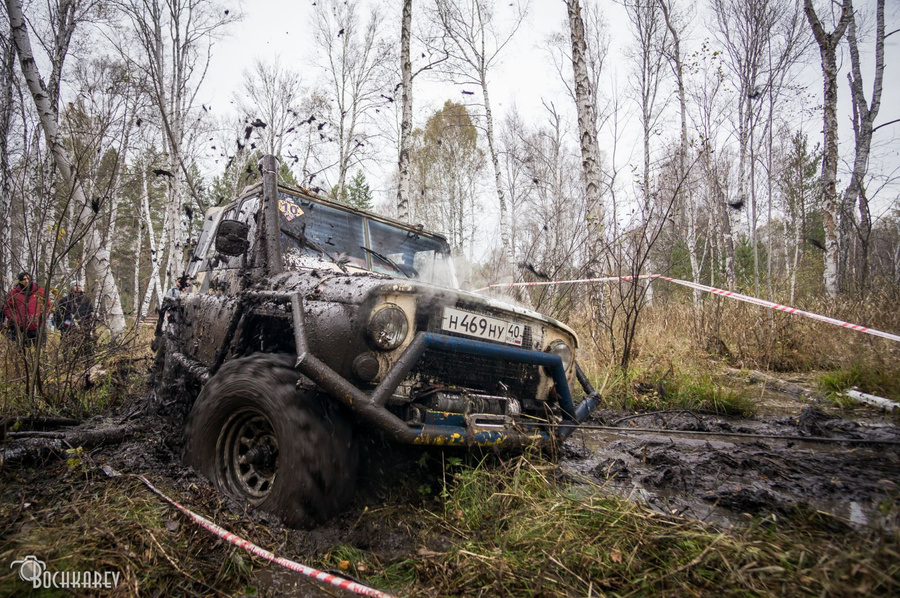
(372, 407)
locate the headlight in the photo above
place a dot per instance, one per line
(560, 348)
(388, 327)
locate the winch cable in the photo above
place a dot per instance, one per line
(208, 525)
(664, 432)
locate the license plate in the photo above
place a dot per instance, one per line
(478, 326)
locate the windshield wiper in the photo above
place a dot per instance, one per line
(388, 261)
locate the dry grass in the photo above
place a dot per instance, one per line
(73, 383)
(76, 519)
(681, 353)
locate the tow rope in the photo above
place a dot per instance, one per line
(252, 548)
(714, 291)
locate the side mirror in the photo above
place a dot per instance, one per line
(231, 238)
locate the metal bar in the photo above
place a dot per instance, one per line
(338, 387)
(299, 316)
(401, 369)
(270, 221)
(552, 363)
(583, 380)
(372, 407)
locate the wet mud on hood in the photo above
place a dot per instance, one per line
(355, 288)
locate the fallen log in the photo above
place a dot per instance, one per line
(19, 424)
(29, 447)
(884, 404)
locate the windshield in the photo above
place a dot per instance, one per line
(352, 240)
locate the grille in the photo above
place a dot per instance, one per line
(477, 372)
(489, 375)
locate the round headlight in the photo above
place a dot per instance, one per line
(388, 327)
(560, 348)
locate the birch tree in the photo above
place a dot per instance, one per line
(762, 41)
(406, 107)
(474, 43)
(651, 38)
(743, 28)
(585, 105)
(675, 57)
(8, 83)
(411, 68)
(831, 205)
(864, 115)
(67, 15)
(354, 57)
(446, 165)
(156, 248)
(272, 94)
(169, 42)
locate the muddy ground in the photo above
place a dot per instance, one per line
(797, 455)
(846, 468)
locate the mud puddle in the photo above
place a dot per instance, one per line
(723, 480)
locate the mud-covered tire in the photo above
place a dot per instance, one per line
(262, 441)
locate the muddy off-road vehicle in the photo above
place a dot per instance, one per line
(308, 323)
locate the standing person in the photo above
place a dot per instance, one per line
(25, 310)
(74, 311)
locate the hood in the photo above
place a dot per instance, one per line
(360, 287)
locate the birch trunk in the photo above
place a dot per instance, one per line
(153, 286)
(406, 100)
(508, 250)
(474, 45)
(864, 127)
(587, 124)
(828, 44)
(678, 69)
(138, 251)
(98, 259)
(7, 75)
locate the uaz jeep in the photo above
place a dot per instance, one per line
(307, 319)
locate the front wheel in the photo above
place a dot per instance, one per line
(260, 440)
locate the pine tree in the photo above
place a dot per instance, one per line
(358, 193)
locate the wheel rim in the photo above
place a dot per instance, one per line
(247, 454)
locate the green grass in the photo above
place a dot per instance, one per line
(877, 381)
(687, 388)
(514, 530)
(704, 393)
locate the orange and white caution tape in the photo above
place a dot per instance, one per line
(205, 523)
(714, 291)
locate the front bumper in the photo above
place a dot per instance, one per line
(448, 431)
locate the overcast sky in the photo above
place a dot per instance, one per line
(526, 77)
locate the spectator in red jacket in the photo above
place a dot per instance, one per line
(25, 310)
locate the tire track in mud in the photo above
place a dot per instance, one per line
(723, 480)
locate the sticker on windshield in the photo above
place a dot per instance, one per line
(289, 209)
